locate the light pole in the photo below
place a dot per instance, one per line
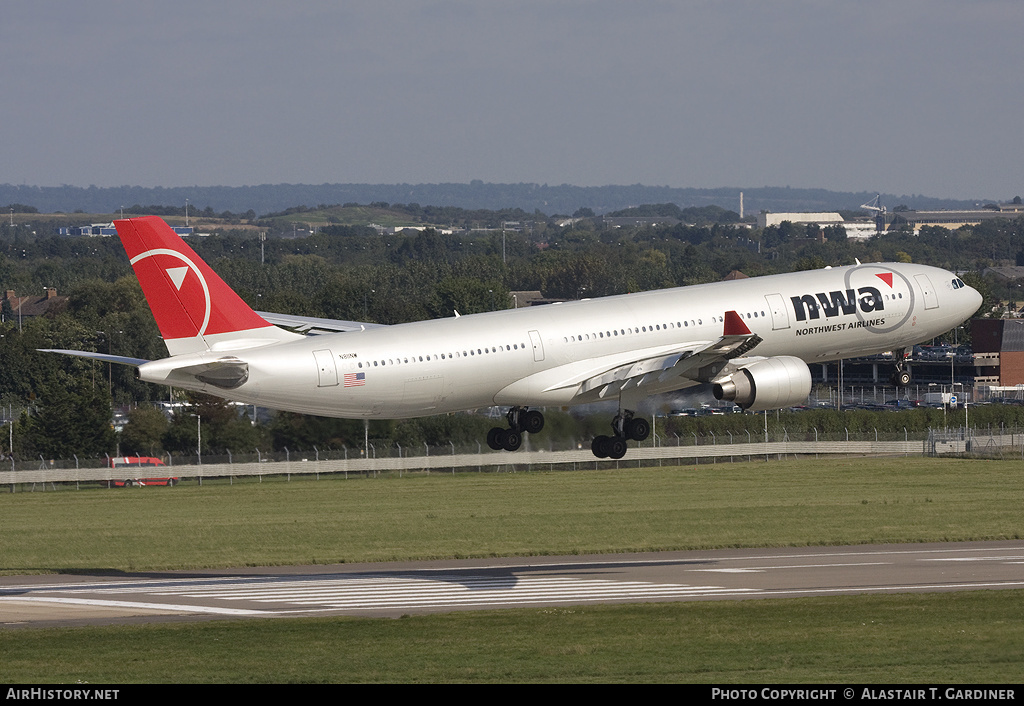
(963, 400)
(110, 373)
(372, 291)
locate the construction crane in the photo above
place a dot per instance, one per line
(874, 205)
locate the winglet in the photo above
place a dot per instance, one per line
(734, 325)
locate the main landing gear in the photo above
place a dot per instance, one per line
(520, 420)
(626, 427)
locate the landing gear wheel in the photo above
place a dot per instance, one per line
(512, 440)
(617, 447)
(496, 438)
(533, 421)
(638, 429)
(613, 447)
(520, 421)
(901, 378)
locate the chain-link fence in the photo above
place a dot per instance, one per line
(389, 458)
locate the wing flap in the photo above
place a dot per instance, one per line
(618, 368)
(700, 362)
(634, 372)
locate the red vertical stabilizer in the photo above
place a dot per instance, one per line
(192, 305)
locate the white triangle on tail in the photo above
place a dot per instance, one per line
(177, 275)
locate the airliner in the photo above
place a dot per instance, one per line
(750, 339)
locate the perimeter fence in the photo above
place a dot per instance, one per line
(379, 459)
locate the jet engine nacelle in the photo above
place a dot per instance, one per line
(771, 383)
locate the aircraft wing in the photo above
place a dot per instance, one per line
(665, 370)
(311, 325)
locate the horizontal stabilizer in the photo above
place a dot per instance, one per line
(105, 357)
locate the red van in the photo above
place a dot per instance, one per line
(139, 464)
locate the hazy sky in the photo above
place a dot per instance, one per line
(902, 96)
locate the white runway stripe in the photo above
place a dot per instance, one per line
(407, 587)
(376, 593)
(131, 605)
(383, 592)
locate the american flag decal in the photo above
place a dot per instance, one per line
(355, 379)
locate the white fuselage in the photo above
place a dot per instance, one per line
(540, 355)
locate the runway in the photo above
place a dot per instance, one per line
(408, 588)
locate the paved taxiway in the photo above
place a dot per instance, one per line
(393, 589)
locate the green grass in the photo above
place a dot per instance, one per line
(970, 637)
(948, 637)
(788, 503)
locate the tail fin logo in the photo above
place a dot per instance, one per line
(177, 277)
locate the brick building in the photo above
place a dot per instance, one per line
(28, 306)
(998, 346)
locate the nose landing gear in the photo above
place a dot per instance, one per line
(901, 377)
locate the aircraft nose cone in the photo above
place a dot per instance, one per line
(974, 301)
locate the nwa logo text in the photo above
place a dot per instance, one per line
(867, 299)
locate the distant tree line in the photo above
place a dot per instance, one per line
(699, 215)
(529, 197)
(207, 212)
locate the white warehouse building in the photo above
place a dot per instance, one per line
(766, 218)
(854, 229)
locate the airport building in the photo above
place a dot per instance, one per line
(915, 220)
(767, 218)
(106, 230)
(854, 229)
(998, 351)
(885, 221)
